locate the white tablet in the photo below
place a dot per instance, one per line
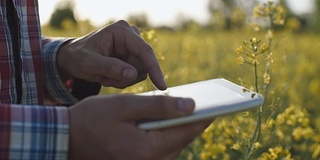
(212, 98)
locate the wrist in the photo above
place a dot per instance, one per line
(62, 61)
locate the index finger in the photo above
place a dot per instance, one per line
(136, 46)
(149, 60)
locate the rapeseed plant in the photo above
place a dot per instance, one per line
(250, 52)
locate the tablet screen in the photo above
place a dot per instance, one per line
(203, 94)
(212, 98)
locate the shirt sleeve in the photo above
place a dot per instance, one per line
(55, 90)
(33, 132)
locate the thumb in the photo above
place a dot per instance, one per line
(157, 107)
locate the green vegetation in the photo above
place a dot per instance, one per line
(289, 125)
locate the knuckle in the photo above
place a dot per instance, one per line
(119, 26)
(123, 23)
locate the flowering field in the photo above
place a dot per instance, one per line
(280, 64)
(289, 126)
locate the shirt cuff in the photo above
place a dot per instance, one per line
(54, 87)
(34, 132)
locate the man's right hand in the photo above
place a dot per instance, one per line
(116, 56)
(105, 127)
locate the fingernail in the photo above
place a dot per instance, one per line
(129, 74)
(186, 104)
(164, 84)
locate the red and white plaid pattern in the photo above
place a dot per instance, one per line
(30, 131)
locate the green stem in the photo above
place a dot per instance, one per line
(256, 77)
(256, 134)
(259, 109)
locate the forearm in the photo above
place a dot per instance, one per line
(34, 132)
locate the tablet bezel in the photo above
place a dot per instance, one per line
(248, 100)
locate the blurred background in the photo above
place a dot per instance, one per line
(270, 47)
(171, 13)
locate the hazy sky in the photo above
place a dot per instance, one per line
(158, 11)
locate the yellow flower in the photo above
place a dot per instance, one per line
(257, 145)
(266, 78)
(240, 60)
(264, 48)
(244, 43)
(297, 134)
(270, 123)
(276, 13)
(280, 134)
(150, 34)
(254, 40)
(160, 56)
(255, 62)
(256, 27)
(236, 146)
(205, 155)
(268, 58)
(240, 50)
(293, 24)
(316, 152)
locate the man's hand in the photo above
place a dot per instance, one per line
(105, 127)
(114, 56)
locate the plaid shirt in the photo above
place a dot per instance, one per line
(30, 130)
